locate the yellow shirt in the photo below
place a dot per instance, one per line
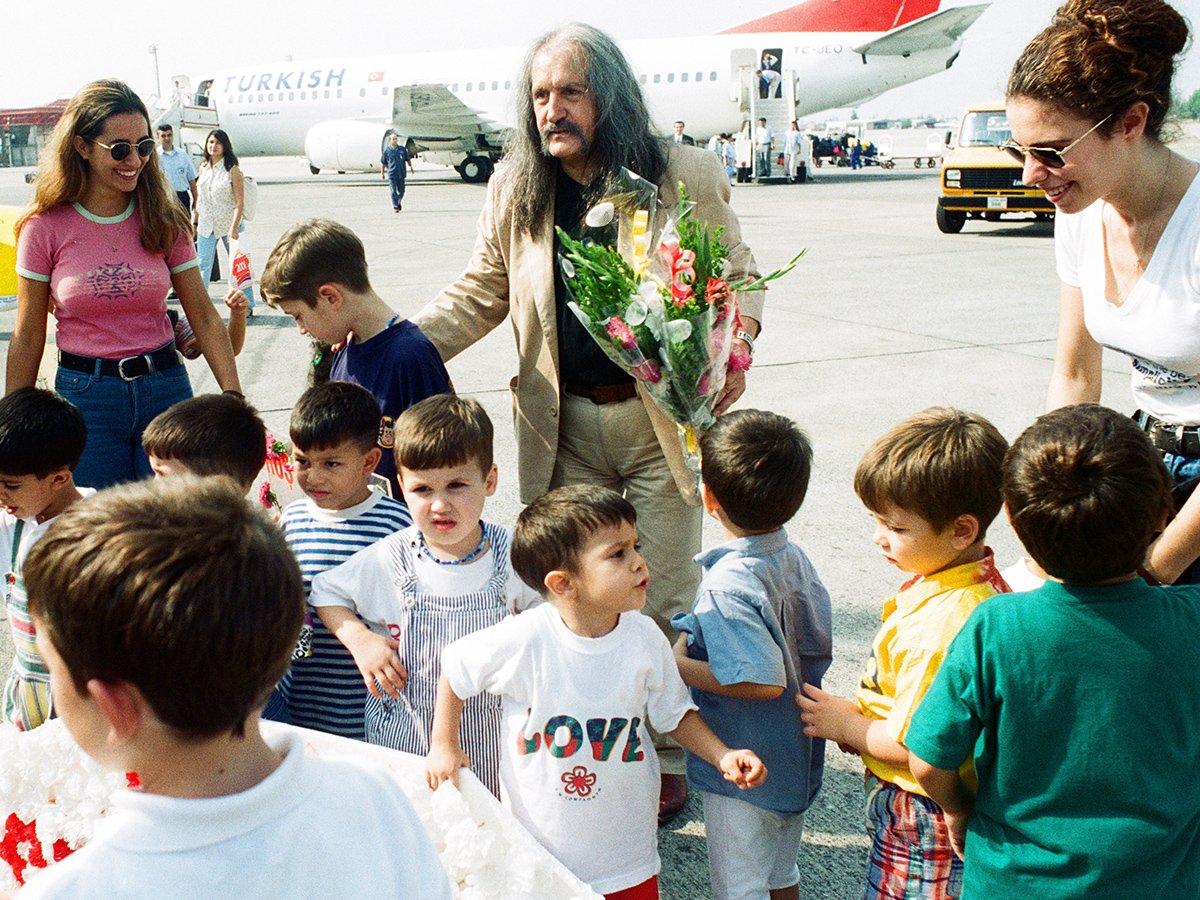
(918, 625)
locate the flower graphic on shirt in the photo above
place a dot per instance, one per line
(114, 281)
(579, 781)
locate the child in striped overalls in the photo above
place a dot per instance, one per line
(443, 577)
(41, 439)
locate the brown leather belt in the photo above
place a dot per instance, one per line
(604, 393)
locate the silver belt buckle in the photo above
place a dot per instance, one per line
(129, 359)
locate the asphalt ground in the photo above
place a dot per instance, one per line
(883, 317)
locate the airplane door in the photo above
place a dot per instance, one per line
(742, 63)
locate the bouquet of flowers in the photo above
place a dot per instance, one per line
(663, 311)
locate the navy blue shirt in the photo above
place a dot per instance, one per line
(400, 367)
(395, 159)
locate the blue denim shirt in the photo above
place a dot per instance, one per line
(761, 615)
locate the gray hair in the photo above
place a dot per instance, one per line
(624, 136)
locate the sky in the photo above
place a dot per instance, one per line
(48, 52)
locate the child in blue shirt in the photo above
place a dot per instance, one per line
(760, 628)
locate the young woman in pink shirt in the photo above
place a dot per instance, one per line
(99, 248)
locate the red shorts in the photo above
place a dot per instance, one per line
(647, 890)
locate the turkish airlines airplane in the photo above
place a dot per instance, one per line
(454, 107)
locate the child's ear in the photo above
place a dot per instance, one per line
(60, 478)
(966, 531)
(491, 480)
(371, 460)
(558, 583)
(711, 506)
(332, 292)
(123, 707)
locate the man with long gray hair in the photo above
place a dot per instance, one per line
(580, 118)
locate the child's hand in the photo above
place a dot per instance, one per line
(824, 715)
(680, 647)
(743, 768)
(237, 302)
(443, 763)
(376, 658)
(956, 824)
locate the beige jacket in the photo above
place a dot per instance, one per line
(511, 275)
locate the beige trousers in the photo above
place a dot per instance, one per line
(614, 445)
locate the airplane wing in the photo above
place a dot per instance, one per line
(941, 29)
(431, 113)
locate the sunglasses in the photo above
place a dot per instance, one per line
(122, 149)
(1047, 156)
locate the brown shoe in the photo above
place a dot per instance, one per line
(672, 798)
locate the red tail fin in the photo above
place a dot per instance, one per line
(840, 15)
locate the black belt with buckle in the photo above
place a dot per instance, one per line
(129, 368)
(1182, 440)
(604, 393)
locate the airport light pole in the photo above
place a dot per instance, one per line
(153, 50)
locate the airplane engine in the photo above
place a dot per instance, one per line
(345, 145)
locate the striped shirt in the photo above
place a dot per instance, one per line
(326, 690)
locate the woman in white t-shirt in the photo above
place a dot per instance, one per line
(1086, 103)
(99, 247)
(220, 205)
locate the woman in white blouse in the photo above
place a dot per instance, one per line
(220, 204)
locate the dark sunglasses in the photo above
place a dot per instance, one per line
(122, 149)
(1047, 156)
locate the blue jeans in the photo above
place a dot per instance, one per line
(397, 191)
(116, 412)
(206, 249)
(1184, 472)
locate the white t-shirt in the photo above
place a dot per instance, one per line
(578, 766)
(314, 828)
(366, 583)
(1158, 325)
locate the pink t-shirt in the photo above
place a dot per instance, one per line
(108, 293)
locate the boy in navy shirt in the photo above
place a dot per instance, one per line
(317, 274)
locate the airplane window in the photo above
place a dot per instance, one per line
(712, 76)
(303, 95)
(657, 78)
(362, 92)
(699, 76)
(469, 85)
(483, 85)
(454, 87)
(260, 98)
(326, 93)
(339, 93)
(683, 77)
(291, 95)
(508, 85)
(641, 79)
(670, 78)
(270, 98)
(383, 92)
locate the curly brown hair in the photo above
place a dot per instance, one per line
(1099, 57)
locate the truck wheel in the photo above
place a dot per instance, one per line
(950, 221)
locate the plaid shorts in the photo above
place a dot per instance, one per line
(910, 847)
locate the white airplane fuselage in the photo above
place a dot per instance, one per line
(269, 109)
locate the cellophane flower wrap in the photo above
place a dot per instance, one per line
(661, 307)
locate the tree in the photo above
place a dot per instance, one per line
(1187, 109)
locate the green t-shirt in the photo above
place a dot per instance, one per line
(1082, 707)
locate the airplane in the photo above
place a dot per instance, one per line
(453, 107)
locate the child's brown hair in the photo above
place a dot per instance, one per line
(441, 431)
(311, 254)
(940, 464)
(213, 434)
(177, 586)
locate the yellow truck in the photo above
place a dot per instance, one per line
(981, 181)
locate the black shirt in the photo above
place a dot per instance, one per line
(580, 359)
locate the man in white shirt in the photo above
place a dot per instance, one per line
(177, 166)
(764, 143)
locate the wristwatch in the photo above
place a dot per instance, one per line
(748, 338)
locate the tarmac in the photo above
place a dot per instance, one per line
(883, 317)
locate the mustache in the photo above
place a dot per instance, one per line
(564, 127)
